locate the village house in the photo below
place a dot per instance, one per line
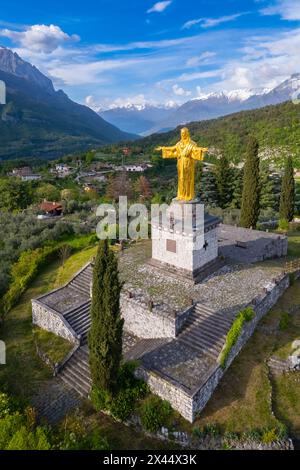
(25, 173)
(50, 209)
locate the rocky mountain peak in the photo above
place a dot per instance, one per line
(11, 62)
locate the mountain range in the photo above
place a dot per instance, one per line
(147, 120)
(39, 121)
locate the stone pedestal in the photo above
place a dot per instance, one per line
(184, 240)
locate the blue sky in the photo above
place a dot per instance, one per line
(112, 52)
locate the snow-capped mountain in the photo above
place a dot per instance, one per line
(146, 120)
(214, 105)
(137, 118)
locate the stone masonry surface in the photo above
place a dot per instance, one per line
(153, 304)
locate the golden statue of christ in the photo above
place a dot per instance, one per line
(187, 152)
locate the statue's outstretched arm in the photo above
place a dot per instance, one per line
(198, 153)
(168, 152)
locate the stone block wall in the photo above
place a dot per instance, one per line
(49, 320)
(144, 323)
(189, 251)
(176, 396)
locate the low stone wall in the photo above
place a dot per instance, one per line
(47, 319)
(182, 318)
(174, 394)
(189, 405)
(144, 323)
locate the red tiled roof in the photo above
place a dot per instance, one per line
(48, 206)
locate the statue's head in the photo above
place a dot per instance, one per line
(185, 133)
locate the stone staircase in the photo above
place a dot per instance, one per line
(205, 330)
(54, 401)
(82, 282)
(278, 366)
(79, 319)
(76, 372)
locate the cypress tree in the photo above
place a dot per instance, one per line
(251, 186)
(237, 189)
(105, 335)
(287, 196)
(223, 176)
(268, 190)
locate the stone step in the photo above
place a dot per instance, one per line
(204, 308)
(86, 276)
(80, 373)
(217, 317)
(79, 307)
(79, 382)
(278, 365)
(78, 313)
(80, 286)
(207, 324)
(82, 391)
(210, 332)
(80, 322)
(199, 338)
(83, 332)
(81, 281)
(80, 289)
(81, 364)
(210, 313)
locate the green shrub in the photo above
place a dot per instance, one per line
(129, 391)
(155, 412)
(283, 225)
(233, 334)
(269, 436)
(212, 430)
(197, 432)
(284, 322)
(33, 440)
(231, 436)
(252, 435)
(100, 399)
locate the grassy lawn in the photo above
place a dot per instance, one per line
(73, 264)
(55, 347)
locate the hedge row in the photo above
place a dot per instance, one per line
(24, 271)
(234, 333)
(31, 261)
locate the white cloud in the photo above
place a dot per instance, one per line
(179, 91)
(39, 37)
(201, 59)
(92, 103)
(210, 22)
(159, 6)
(90, 72)
(287, 9)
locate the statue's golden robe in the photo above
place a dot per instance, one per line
(186, 153)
